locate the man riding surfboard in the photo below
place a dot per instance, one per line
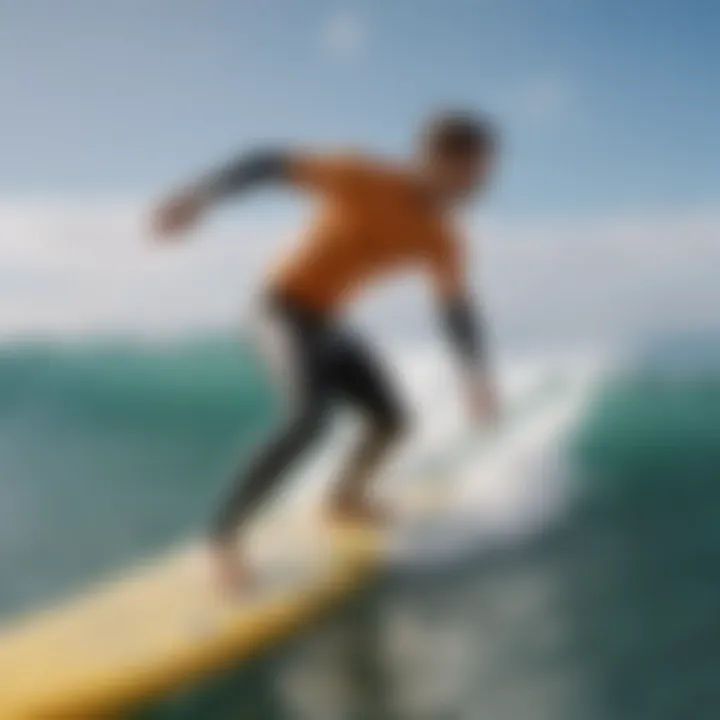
(375, 218)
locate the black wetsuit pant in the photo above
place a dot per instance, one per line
(324, 362)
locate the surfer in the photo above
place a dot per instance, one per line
(375, 218)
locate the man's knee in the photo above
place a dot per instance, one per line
(392, 425)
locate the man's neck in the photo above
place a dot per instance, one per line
(429, 190)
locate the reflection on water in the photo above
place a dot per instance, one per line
(498, 643)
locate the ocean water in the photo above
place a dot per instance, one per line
(573, 572)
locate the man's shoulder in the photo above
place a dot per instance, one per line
(371, 166)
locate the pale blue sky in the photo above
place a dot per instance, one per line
(608, 106)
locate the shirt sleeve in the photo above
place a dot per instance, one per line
(327, 174)
(461, 318)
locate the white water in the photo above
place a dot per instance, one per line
(458, 489)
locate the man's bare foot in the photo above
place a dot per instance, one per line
(360, 510)
(229, 571)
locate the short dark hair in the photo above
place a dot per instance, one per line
(459, 134)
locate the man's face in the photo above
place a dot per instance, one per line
(459, 177)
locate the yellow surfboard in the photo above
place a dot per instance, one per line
(134, 638)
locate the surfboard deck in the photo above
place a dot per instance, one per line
(133, 638)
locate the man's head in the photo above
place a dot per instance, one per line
(457, 152)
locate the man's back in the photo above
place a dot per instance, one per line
(373, 219)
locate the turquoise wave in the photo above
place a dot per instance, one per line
(109, 450)
(182, 381)
(112, 450)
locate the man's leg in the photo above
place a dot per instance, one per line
(249, 489)
(255, 482)
(295, 347)
(359, 378)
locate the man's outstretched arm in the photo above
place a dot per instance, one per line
(184, 208)
(328, 174)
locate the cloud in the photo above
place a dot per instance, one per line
(77, 268)
(605, 278)
(343, 35)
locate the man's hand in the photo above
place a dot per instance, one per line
(483, 399)
(178, 213)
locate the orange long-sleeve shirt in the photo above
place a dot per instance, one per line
(373, 220)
